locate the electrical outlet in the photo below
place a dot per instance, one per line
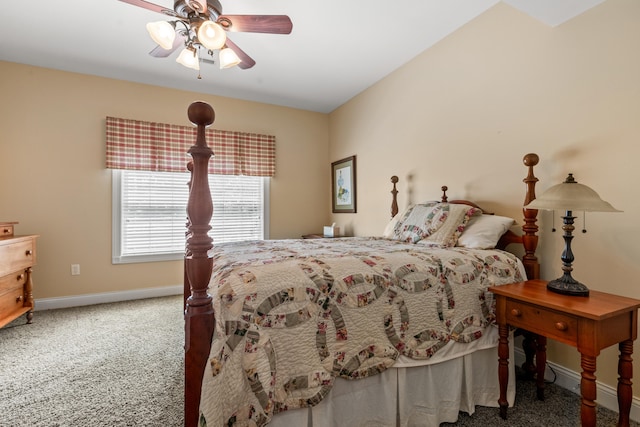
(75, 269)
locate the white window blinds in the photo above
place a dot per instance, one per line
(150, 213)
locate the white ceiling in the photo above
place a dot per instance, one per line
(337, 47)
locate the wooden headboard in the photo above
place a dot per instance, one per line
(529, 237)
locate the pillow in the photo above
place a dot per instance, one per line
(484, 231)
(391, 225)
(388, 230)
(433, 223)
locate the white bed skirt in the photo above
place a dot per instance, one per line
(409, 396)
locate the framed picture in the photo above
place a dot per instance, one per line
(343, 185)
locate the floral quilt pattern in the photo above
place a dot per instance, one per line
(292, 315)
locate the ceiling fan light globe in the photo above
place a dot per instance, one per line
(163, 33)
(211, 35)
(189, 58)
(228, 58)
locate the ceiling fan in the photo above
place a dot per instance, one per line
(200, 28)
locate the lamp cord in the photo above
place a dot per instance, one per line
(555, 376)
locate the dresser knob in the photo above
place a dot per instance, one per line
(19, 299)
(561, 326)
(29, 252)
(515, 312)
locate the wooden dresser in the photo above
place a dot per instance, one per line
(17, 256)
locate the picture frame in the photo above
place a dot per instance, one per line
(343, 185)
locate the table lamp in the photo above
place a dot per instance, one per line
(569, 196)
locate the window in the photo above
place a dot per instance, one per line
(149, 213)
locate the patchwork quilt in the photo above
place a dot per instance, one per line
(292, 315)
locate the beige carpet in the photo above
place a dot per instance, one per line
(121, 364)
(105, 365)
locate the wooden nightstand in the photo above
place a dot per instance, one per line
(588, 323)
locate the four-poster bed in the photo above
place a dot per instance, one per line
(341, 280)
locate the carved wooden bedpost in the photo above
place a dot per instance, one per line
(530, 229)
(531, 341)
(198, 264)
(444, 198)
(187, 287)
(394, 201)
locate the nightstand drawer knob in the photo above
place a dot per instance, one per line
(516, 313)
(19, 299)
(561, 326)
(29, 252)
(20, 277)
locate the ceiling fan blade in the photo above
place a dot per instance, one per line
(247, 61)
(272, 24)
(159, 52)
(151, 6)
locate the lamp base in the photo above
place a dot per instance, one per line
(567, 285)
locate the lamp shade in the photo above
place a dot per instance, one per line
(189, 58)
(571, 196)
(211, 35)
(228, 58)
(163, 33)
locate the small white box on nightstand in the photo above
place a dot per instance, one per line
(331, 231)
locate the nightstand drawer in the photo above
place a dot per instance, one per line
(543, 321)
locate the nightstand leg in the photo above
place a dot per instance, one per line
(529, 347)
(588, 391)
(541, 364)
(503, 368)
(625, 373)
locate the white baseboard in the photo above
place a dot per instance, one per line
(566, 378)
(106, 297)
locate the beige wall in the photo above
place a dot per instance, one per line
(465, 112)
(53, 180)
(462, 114)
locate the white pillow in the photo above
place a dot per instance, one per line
(391, 225)
(484, 231)
(388, 230)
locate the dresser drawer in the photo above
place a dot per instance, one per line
(552, 324)
(12, 281)
(17, 254)
(6, 230)
(12, 292)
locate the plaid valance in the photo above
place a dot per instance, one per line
(138, 145)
